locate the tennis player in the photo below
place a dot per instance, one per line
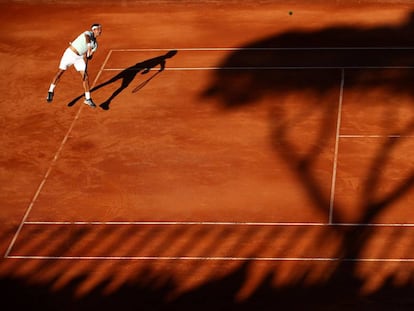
(78, 53)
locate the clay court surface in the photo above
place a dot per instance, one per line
(269, 166)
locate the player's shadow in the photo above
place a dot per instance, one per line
(128, 75)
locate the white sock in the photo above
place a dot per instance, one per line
(88, 95)
(52, 87)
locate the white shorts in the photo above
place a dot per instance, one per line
(70, 58)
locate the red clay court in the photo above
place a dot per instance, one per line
(270, 165)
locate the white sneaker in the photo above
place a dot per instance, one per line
(89, 102)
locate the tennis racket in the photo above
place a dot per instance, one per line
(85, 73)
(141, 85)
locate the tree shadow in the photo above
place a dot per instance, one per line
(267, 66)
(128, 75)
(313, 63)
(272, 68)
(149, 293)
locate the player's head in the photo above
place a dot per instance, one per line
(170, 54)
(97, 29)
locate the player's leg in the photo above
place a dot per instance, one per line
(65, 62)
(52, 86)
(80, 66)
(57, 77)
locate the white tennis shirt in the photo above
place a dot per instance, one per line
(80, 42)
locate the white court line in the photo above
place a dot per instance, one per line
(206, 258)
(376, 136)
(268, 49)
(337, 135)
(49, 170)
(268, 68)
(211, 223)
